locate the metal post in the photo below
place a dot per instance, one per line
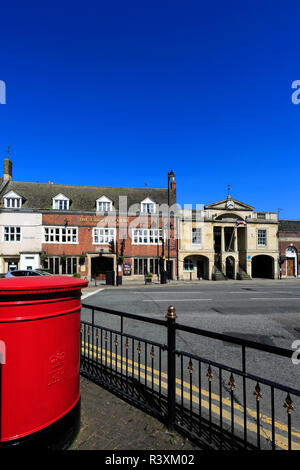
(171, 317)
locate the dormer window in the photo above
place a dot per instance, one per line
(60, 203)
(148, 206)
(103, 204)
(12, 200)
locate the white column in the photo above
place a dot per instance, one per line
(222, 239)
(235, 240)
(210, 268)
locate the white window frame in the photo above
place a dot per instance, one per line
(13, 233)
(103, 235)
(12, 200)
(196, 236)
(259, 237)
(147, 236)
(104, 204)
(148, 206)
(60, 234)
(60, 203)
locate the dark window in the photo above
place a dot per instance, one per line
(151, 266)
(74, 265)
(145, 266)
(56, 265)
(135, 266)
(63, 266)
(140, 266)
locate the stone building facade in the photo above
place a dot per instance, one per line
(227, 239)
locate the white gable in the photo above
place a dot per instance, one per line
(61, 197)
(103, 199)
(147, 201)
(12, 200)
(12, 194)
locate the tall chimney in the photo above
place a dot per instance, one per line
(7, 169)
(173, 185)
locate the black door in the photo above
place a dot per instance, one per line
(170, 269)
(200, 269)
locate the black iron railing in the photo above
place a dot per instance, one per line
(214, 404)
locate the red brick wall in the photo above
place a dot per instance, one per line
(85, 224)
(283, 245)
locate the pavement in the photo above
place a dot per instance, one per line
(109, 423)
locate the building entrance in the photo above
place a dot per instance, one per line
(100, 265)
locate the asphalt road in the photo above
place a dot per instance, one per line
(264, 311)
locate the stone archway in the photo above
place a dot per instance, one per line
(196, 267)
(263, 266)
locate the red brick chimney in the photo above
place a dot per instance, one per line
(173, 183)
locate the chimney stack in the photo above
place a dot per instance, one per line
(7, 169)
(173, 184)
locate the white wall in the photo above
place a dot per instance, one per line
(31, 237)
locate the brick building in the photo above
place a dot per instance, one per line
(92, 230)
(289, 247)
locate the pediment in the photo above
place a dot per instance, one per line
(61, 197)
(235, 205)
(12, 194)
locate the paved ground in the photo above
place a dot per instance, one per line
(109, 423)
(265, 311)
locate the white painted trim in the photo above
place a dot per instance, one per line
(11, 241)
(148, 236)
(103, 228)
(60, 197)
(12, 195)
(55, 227)
(148, 201)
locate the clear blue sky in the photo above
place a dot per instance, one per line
(119, 93)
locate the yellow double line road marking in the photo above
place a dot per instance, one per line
(160, 379)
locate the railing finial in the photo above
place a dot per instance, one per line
(171, 312)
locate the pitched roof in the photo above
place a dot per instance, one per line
(289, 226)
(39, 196)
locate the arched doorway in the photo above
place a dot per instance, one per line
(196, 267)
(230, 267)
(100, 265)
(291, 261)
(263, 266)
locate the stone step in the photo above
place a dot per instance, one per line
(242, 275)
(218, 275)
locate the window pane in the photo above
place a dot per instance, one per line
(140, 266)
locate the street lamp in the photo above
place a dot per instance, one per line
(162, 258)
(170, 176)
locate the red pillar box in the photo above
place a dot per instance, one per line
(40, 361)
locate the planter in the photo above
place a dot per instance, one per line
(148, 280)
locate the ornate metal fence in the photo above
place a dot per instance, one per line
(215, 405)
